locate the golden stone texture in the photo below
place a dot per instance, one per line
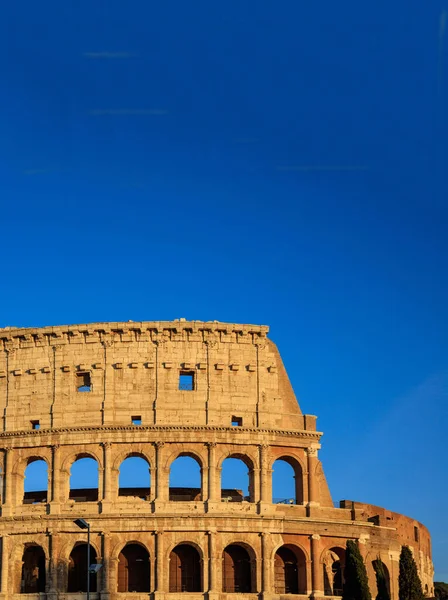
(133, 369)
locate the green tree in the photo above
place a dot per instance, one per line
(356, 583)
(409, 584)
(441, 590)
(381, 580)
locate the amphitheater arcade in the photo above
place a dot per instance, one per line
(159, 391)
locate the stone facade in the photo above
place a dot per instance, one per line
(113, 390)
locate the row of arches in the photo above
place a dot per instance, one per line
(185, 570)
(185, 479)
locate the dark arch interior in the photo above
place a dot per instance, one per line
(185, 569)
(77, 569)
(236, 576)
(133, 569)
(33, 571)
(286, 571)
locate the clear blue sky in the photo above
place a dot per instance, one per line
(283, 164)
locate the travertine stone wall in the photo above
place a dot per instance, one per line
(134, 370)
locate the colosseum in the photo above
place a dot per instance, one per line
(160, 391)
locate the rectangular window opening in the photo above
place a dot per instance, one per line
(83, 382)
(35, 425)
(416, 538)
(186, 381)
(237, 421)
(137, 420)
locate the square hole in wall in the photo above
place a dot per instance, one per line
(186, 381)
(237, 421)
(136, 420)
(83, 382)
(35, 425)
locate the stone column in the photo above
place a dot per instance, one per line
(106, 587)
(313, 491)
(213, 587)
(5, 564)
(213, 499)
(105, 497)
(266, 584)
(53, 564)
(160, 567)
(362, 545)
(254, 485)
(7, 509)
(265, 479)
(162, 481)
(317, 577)
(55, 479)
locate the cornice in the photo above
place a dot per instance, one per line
(295, 433)
(152, 331)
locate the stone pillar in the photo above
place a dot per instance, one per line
(160, 567)
(313, 491)
(55, 479)
(162, 481)
(213, 587)
(105, 497)
(5, 564)
(213, 499)
(7, 509)
(266, 582)
(265, 479)
(317, 576)
(53, 547)
(254, 485)
(362, 545)
(106, 587)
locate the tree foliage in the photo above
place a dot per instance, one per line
(381, 580)
(356, 583)
(441, 590)
(409, 584)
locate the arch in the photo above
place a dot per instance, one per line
(134, 478)
(237, 470)
(185, 569)
(290, 570)
(238, 574)
(35, 484)
(185, 478)
(84, 478)
(333, 560)
(33, 578)
(133, 568)
(382, 576)
(287, 480)
(77, 569)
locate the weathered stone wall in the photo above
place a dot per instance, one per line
(134, 370)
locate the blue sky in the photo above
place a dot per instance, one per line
(246, 162)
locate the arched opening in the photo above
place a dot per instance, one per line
(77, 569)
(185, 569)
(185, 479)
(237, 479)
(287, 481)
(382, 578)
(236, 570)
(84, 479)
(334, 564)
(134, 478)
(33, 570)
(290, 570)
(36, 482)
(133, 569)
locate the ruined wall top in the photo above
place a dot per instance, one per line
(157, 373)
